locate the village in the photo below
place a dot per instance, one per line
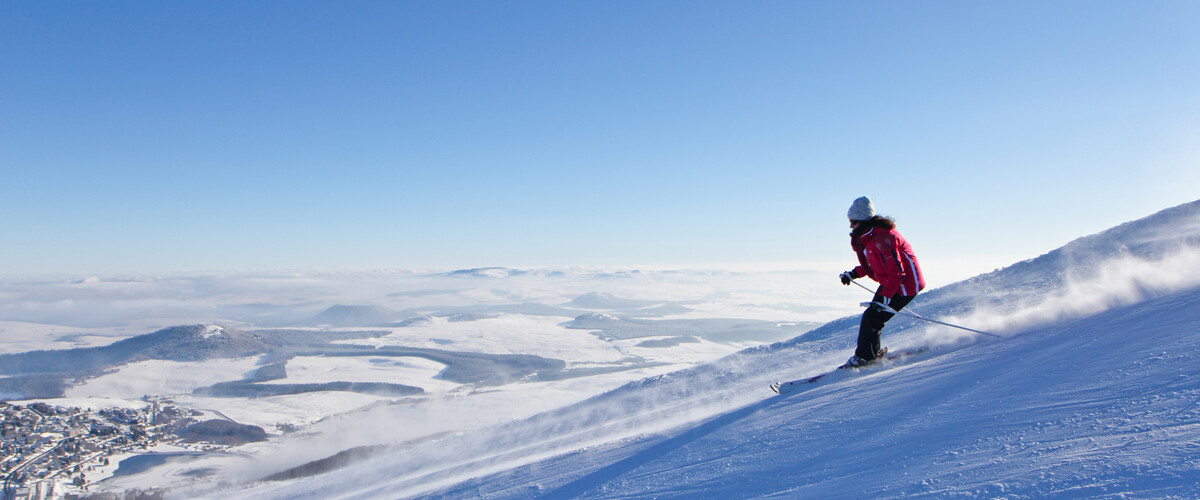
(49, 451)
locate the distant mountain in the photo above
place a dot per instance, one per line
(48, 373)
(45, 373)
(348, 316)
(501, 272)
(604, 301)
(484, 272)
(177, 343)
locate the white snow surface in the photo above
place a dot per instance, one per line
(1092, 392)
(162, 378)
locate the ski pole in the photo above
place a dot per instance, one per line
(918, 316)
(860, 285)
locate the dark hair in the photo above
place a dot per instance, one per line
(881, 221)
(876, 221)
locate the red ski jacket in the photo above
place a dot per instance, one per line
(887, 258)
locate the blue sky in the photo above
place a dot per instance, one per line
(185, 136)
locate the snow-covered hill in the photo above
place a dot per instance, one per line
(1093, 391)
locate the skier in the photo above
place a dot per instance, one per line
(886, 257)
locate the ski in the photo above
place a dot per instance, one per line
(792, 385)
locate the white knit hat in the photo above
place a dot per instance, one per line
(861, 209)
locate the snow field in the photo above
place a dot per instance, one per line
(20, 336)
(163, 378)
(506, 334)
(410, 370)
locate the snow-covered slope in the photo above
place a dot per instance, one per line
(1103, 406)
(1092, 392)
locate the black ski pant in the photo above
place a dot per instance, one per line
(873, 319)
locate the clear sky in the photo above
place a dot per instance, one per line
(198, 135)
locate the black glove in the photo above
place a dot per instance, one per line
(848, 277)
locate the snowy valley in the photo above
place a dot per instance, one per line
(349, 363)
(646, 384)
